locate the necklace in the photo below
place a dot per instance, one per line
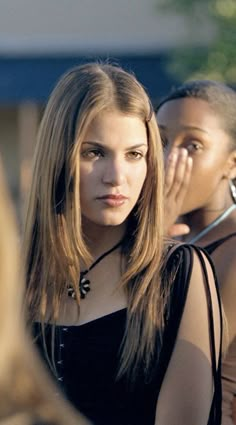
(214, 223)
(84, 283)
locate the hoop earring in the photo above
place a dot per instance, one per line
(232, 190)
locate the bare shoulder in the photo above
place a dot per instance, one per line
(224, 259)
(203, 270)
(198, 271)
(197, 267)
(202, 304)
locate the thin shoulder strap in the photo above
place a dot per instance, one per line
(211, 247)
(177, 310)
(215, 416)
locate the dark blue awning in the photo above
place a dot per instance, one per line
(32, 79)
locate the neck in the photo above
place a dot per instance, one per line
(202, 217)
(101, 238)
(198, 220)
(212, 224)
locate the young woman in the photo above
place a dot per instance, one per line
(123, 324)
(198, 126)
(27, 395)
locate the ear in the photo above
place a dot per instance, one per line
(230, 167)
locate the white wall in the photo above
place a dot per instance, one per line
(92, 26)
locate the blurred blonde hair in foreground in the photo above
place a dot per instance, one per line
(27, 395)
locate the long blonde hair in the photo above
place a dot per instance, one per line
(26, 392)
(54, 244)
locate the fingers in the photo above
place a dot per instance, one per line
(177, 178)
(178, 173)
(170, 169)
(178, 230)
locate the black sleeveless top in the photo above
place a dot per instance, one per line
(87, 359)
(210, 248)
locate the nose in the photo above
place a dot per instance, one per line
(114, 172)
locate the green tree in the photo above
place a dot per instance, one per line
(218, 60)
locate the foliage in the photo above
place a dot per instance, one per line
(218, 60)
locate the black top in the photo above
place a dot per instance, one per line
(87, 360)
(210, 248)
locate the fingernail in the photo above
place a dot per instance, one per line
(183, 152)
(173, 155)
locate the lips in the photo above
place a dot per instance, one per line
(113, 201)
(113, 197)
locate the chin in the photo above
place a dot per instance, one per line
(110, 222)
(106, 217)
(111, 219)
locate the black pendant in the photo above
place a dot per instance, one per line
(84, 283)
(84, 288)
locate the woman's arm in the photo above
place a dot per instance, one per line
(187, 389)
(224, 258)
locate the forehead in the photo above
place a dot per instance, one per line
(188, 111)
(115, 125)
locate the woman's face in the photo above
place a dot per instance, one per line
(113, 167)
(191, 124)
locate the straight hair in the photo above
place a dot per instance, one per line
(54, 243)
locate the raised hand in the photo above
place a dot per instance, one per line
(177, 178)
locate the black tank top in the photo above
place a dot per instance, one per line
(87, 359)
(214, 245)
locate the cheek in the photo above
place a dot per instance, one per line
(138, 177)
(207, 169)
(87, 176)
(87, 186)
(205, 179)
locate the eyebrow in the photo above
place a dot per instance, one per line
(100, 145)
(185, 127)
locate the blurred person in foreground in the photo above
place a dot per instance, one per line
(198, 126)
(27, 395)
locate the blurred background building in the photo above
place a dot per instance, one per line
(40, 40)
